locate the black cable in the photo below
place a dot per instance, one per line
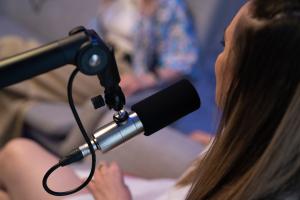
(87, 139)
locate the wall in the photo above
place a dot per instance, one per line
(1, 8)
(51, 21)
(212, 17)
(204, 13)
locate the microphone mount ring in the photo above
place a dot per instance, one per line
(92, 56)
(121, 117)
(96, 58)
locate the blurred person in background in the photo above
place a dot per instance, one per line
(256, 151)
(155, 43)
(157, 38)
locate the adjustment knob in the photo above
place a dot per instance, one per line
(98, 102)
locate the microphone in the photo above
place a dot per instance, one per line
(147, 116)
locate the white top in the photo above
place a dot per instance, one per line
(143, 189)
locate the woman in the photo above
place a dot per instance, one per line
(256, 152)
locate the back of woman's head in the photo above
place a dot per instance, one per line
(264, 69)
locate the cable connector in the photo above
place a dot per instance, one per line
(73, 157)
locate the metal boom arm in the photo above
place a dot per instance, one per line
(82, 48)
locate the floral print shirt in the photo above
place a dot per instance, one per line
(166, 39)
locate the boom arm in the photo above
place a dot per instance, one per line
(82, 48)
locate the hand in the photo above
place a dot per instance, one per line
(201, 137)
(130, 84)
(147, 7)
(108, 183)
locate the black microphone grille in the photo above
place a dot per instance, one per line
(167, 106)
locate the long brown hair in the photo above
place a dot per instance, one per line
(256, 153)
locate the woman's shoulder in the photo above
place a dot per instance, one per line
(288, 196)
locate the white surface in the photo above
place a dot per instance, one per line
(141, 189)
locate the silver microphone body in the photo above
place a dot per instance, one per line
(113, 134)
(172, 104)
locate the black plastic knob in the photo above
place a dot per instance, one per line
(98, 102)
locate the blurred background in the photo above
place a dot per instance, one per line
(25, 24)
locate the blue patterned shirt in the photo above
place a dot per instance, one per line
(166, 39)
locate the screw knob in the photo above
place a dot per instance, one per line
(98, 102)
